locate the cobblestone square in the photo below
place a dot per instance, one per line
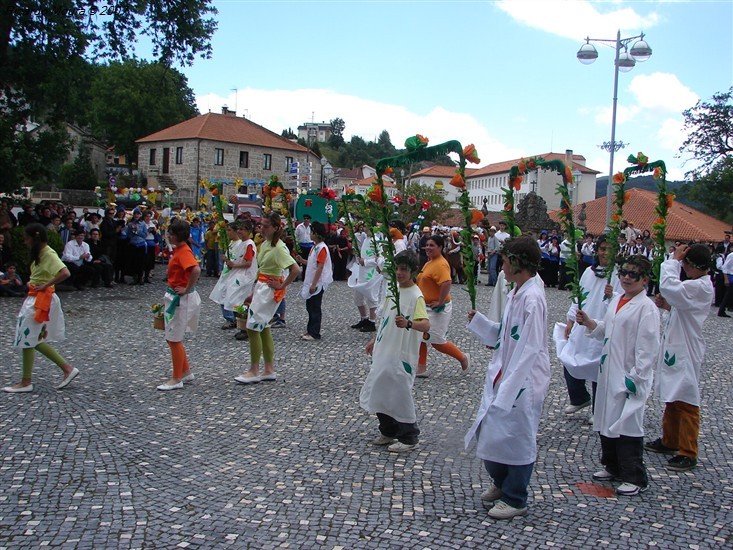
(110, 462)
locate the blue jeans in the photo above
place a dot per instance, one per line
(512, 480)
(492, 269)
(228, 315)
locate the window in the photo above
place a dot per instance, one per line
(219, 157)
(243, 159)
(288, 162)
(179, 155)
(267, 162)
(152, 157)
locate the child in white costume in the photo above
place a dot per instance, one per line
(318, 277)
(516, 382)
(239, 273)
(387, 391)
(681, 353)
(630, 335)
(366, 281)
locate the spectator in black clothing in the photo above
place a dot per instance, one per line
(101, 262)
(28, 215)
(5, 255)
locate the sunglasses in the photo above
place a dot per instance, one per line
(626, 273)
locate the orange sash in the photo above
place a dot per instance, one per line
(42, 303)
(279, 294)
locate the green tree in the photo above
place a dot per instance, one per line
(709, 130)
(336, 139)
(714, 190)
(44, 75)
(133, 99)
(289, 134)
(80, 173)
(409, 213)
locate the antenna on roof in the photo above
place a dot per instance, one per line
(313, 116)
(235, 99)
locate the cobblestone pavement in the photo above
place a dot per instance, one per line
(111, 463)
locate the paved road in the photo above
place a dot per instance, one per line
(110, 462)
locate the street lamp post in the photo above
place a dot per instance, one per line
(624, 62)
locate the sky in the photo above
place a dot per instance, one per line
(502, 75)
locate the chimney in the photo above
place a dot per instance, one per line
(225, 111)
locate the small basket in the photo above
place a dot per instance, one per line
(241, 323)
(158, 323)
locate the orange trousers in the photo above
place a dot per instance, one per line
(448, 349)
(680, 427)
(179, 358)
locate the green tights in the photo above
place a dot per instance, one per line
(261, 344)
(29, 356)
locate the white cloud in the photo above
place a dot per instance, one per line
(671, 134)
(578, 18)
(280, 109)
(662, 91)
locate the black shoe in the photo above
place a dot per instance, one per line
(681, 463)
(108, 285)
(359, 324)
(656, 446)
(368, 326)
(724, 314)
(242, 336)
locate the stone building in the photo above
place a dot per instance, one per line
(223, 147)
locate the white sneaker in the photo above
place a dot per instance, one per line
(400, 447)
(166, 387)
(491, 494)
(604, 475)
(502, 510)
(629, 490)
(247, 379)
(572, 409)
(383, 440)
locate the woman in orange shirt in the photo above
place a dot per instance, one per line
(435, 281)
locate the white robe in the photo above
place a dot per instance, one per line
(578, 354)
(630, 347)
(388, 386)
(326, 275)
(517, 379)
(683, 346)
(366, 279)
(499, 296)
(234, 285)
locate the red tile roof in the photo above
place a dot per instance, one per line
(503, 167)
(226, 128)
(684, 223)
(439, 171)
(370, 181)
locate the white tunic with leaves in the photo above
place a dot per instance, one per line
(367, 279)
(517, 379)
(630, 346)
(388, 387)
(234, 285)
(683, 346)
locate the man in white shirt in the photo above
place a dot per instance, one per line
(728, 281)
(303, 237)
(78, 259)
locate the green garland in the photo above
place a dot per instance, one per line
(640, 164)
(350, 223)
(614, 227)
(216, 188)
(273, 189)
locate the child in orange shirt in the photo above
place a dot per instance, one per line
(181, 302)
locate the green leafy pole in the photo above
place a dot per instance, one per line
(277, 198)
(216, 190)
(639, 165)
(417, 151)
(345, 199)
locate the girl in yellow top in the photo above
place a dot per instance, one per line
(40, 319)
(273, 258)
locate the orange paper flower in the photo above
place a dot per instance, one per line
(615, 218)
(670, 199)
(642, 158)
(458, 181)
(659, 221)
(423, 139)
(531, 164)
(375, 193)
(522, 166)
(516, 182)
(389, 170)
(508, 207)
(627, 196)
(568, 174)
(619, 178)
(469, 151)
(658, 172)
(476, 216)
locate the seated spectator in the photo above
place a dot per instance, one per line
(4, 252)
(10, 283)
(78, 259)
(67, 230)
(55, 224)
(101, 262)
(28, 215)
